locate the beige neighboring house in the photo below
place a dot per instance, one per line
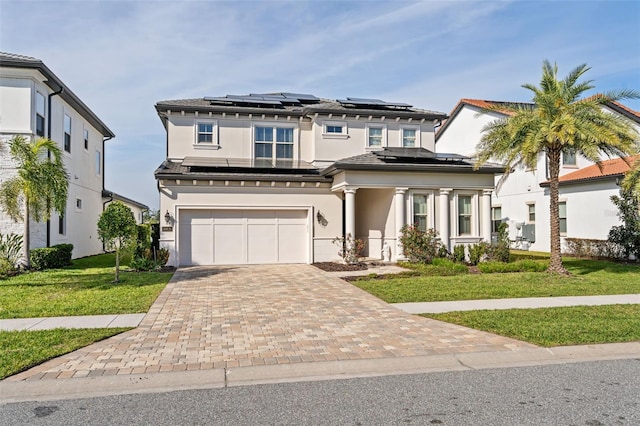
(274, 178)
(137, 208)
(35, 103)
(522, 200)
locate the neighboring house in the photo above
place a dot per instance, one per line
(522, 199)
(275, 178)
(34, 103)
(137, 208)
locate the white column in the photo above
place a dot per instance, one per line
(350, 211)
(486, 215)
(444, 217)
(400, 220)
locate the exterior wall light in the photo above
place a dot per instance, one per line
(167, 217)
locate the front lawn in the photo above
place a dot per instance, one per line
(576, 325)
(20, 350)
(590, 277)
(85, 288)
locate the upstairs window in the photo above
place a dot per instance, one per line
(206, 133)
(532, 212)
(464, 215)
(376, 136)
(409, 137)
(62, 223)
(265, 137)
(98, 163)
(67, 133)
(78, 204)
(40, 114)
(85, 135)
(569, 157)
(334, 129)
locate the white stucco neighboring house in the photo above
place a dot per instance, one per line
(522, 198)
(274, 178)
(136, 207)
(35, 103)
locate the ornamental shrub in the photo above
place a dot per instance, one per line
(10, 249)
(350, 248)
(459, 253)
(419, 246)
(53, 257)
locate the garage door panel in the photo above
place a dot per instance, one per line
(292, 248)
(243, 236)
(261, 243)
(228, 245)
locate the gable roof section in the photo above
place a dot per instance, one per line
(12, 60)
(606, 169)
(117, 197)
(486, 104)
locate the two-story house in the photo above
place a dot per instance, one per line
(522, 198)
(34, 103)
(274, 178)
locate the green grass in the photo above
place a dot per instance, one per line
(590, 277)
(85, 288)
(20, 350)
(577, 325)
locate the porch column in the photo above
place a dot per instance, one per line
(400, 220)
(486, 215)
(444, 217)
(350, 211)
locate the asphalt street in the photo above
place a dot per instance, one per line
(589, 393)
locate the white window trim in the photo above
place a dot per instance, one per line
(529, 204)
(566, 217)
(215, 142)
(78, 208)
(64, 132)
(573, 165)
(493, 209)
(274, 124)
(44, 113)
(343, 135)
(101, 165)
(431, 219)
(474, 213)
(384, 135)
(88, 133)
(418, 142)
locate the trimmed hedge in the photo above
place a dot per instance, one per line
(52, 257)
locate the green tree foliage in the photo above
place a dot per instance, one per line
(627, 234)
(40, 186)
(631, 181)
(117, 229)
(560, 119)
(419, 246)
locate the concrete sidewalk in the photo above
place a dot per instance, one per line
(90, 321)
(521, 303)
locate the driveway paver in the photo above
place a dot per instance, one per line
(234, 316)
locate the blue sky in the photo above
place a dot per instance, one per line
(121, 57)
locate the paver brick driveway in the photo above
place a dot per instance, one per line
(230, 316)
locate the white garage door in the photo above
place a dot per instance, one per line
(224, 237)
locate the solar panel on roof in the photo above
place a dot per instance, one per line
(373, 102)
(300, 96)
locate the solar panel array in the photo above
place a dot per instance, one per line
(245, 163)
(375, 103)
(266, 99)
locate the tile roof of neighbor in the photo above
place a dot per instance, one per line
(14, 60)
(488, 104)
(604, 169)
(320, 106)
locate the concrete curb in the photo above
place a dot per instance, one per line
(56, 389)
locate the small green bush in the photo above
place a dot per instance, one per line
(162, 256)
(6, 268)
(419, 246)
(143, 264)
(143, 240)
(476, 251)
(525, 265)
(459, 253)
(54, 257)
(10, 248)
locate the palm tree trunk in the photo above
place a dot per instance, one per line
(555, 265)
(26, 238)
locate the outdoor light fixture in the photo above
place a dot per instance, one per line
(167, 217)
(321, 219)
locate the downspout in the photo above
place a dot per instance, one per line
(51, 95)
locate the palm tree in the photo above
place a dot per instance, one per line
(559, 120)
(631, 181)
(41, 183)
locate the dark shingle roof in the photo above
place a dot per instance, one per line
(13, 60)
(410, 159)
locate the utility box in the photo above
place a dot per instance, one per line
(529, 232)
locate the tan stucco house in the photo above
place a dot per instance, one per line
(274, 178)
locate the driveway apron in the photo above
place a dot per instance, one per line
(233, 316)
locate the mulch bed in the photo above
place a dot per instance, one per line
(340, 267)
